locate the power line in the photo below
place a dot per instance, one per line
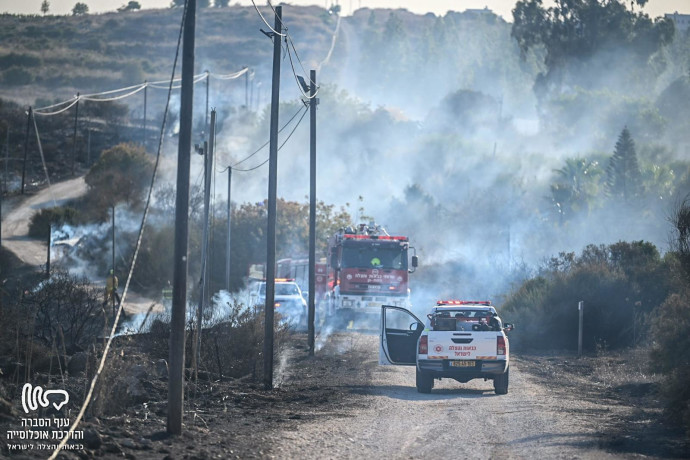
(264, 19)
(280, 147)
(294, 73)
(266, 143)
(298, 59)
(162, 84)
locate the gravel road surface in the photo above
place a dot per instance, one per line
(456, 420)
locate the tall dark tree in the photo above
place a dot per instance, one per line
(80, 9)
(623, 178)
(573, 32)
(45, 7)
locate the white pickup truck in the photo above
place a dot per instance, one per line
(460, 339)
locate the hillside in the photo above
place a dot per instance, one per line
(60, 55)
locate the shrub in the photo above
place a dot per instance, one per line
(232, 346)
(620, 284)
(68, 307)
(120, 175)
(39, 226)
(670, 326)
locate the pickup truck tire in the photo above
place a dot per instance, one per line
(501, 383)
(425, 382)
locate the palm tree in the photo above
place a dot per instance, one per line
(576, 186)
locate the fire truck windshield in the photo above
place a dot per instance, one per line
(386, 257)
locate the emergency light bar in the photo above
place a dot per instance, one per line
(374, 237)
(464, 302)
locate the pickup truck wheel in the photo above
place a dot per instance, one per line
(425, 382)
(501, 383)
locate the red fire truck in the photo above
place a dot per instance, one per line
(367, 268)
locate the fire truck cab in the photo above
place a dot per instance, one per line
(367, 268)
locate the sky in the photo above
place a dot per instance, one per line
(438, 7)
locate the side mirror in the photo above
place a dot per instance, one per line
(416, 327)
(508, 327)
(415, 261)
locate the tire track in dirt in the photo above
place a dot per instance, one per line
(393, 420)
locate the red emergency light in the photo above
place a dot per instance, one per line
(374, 237)
(464, 302)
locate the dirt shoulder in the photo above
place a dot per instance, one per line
(616, 395)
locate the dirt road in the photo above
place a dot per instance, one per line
(15, 223)
(15, 233)
(454, 421)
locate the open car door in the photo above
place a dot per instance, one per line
(400, 330)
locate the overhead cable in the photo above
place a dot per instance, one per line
(279, 147)
(264, 19)
(267, 142)
(162, 84)
(74, 101)
(294, 73)
(114, 98)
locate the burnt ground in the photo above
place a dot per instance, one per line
(629, 417)
(228, 419)
(239, 419)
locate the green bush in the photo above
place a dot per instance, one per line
(620, 285)
(39, 226)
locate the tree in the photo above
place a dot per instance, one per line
(680, 241)
(120, 175)
(221, 3)
(573, 32)
(623, 178)
(80, 9)
(576, 186)
(131, 6)
(45, 7)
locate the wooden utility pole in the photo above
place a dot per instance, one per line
(7, 155)
(581, 312)
(50, 240)
(208, 74)
(246, 89)
(227, 247)
(208, 175)
(272, 199)
(74, 143)
(312, 209)
(26, 146)
(146, 87)
(88, 148)
(179, 301)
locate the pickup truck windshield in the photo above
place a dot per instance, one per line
(390, 256)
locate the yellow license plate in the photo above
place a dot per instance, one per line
(462, 363)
